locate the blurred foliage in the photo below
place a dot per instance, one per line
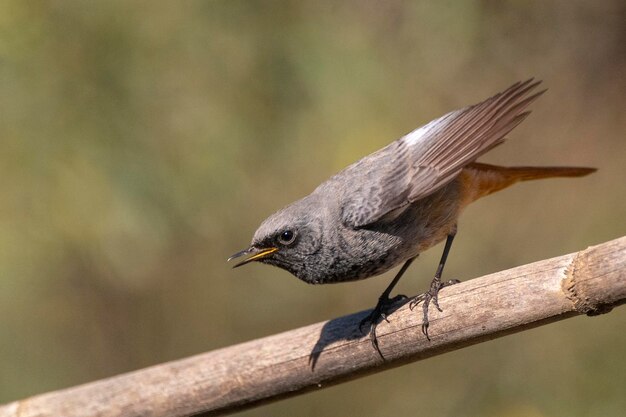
(143, 142)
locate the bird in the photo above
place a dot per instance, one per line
(387, 208)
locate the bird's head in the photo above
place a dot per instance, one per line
(287, 239)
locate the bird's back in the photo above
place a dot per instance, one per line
(425, 160)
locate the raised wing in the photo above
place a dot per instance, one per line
(426, 159)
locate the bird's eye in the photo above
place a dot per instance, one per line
(287, 237)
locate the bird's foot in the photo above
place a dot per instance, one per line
(384, 307)
(432, 295)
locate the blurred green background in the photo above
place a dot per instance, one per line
(143, 142)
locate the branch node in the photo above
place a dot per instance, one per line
(575, 288)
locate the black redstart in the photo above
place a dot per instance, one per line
(397, 202)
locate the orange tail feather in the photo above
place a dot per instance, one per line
(480, 180)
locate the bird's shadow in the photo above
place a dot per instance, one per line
(347, 328)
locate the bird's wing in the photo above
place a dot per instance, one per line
(426, 159)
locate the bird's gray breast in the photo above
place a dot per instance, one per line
(350, 254)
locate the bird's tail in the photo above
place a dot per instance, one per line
(480, 180)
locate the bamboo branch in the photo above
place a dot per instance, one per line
(591, 282)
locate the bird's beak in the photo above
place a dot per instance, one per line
(256, 255)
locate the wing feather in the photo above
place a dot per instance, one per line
(426, 159)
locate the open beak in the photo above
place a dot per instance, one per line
(255, 253)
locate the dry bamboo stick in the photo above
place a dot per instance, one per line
(589, 282)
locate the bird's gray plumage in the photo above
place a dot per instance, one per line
(380, 211)
(426, 159)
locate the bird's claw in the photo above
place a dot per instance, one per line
(379, 313)
(432, 295)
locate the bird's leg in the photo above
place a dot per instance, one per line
(382, 307)
(435, 286)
